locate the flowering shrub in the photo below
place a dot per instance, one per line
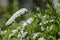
(41, 25)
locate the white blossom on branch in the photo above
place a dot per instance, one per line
(15, 15)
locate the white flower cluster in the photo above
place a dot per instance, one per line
(46, 22)
(35, 35)
(42, 38)
(28, 21)
(15, 15)
(42, 28)
(49, 27)
(2, 32)
(10, 35)
(43, 17)
(14, 31)
(22, 34)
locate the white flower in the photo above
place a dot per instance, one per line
(39, 14)
(19, 35)
(42, 28)
(3, 32)
(51, 20)
(11, 35)
(47, 28)
(15, 15)
(40, 24)
(43, 17)
(22, 34)
(46, 22)
(14, 31)
(51, 27)
(35, 35)
(24, 24)
(29, 20)
(42, 38)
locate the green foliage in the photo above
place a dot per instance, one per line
(45, 22)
